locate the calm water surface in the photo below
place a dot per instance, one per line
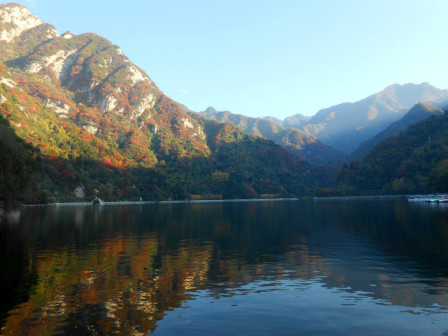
(267, 268)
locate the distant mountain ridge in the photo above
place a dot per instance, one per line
(295, 120)
(302, 145)
(419, 112)
(255, 126)
(347, 125)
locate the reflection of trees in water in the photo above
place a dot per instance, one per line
(117, 270)
(108, 289)
(99, 277)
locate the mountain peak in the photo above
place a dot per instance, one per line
(408, 86)
(391, 87)
(14, 20)
(67, 35)
(421, 107)
(209, 111)
(11, 5)
(346, 126)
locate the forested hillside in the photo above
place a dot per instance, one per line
(419, 112)
(101, 127)
(414, 161)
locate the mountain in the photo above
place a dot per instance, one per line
(274, 119)
(256, 126)
(307, 148)
(295, 120)
(102, 127)
(302, 145)
(419, 112)
(343, 127)
(346, 126)
(414, 161)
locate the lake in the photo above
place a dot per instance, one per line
(250, 268)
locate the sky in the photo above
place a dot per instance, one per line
(268, 58)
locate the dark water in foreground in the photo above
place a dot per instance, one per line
(268, 268)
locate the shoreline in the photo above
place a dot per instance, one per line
(315, 198)
(57, 204)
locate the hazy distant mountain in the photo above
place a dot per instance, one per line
(256, 126)
(301, 144)
(443, 105)
(274, 119)
(419, 112)
(296, 120)
(347, 125)
(307, 148)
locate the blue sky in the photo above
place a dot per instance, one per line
(260, 58)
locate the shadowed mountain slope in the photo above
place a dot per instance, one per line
(414, 161)
(419, 112)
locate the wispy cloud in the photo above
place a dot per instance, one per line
(184, 91)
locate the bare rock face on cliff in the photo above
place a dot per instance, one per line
(14, 20)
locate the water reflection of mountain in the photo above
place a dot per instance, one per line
(118, 270)
(408, 233)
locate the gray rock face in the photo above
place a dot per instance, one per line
(14, 20)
